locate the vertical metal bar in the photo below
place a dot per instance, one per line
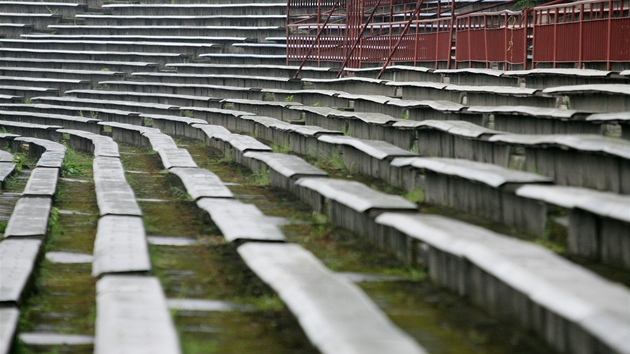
(608, 44)
(358, 39)
(581, 37)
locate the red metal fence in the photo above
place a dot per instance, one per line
(342, 31)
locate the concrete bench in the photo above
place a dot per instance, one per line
(42, 183)
(240, 222)
(93, 76)
(185, 20)
(17, 262)
(120, 246)
(113, 195)
(201, 183)
(9, 316)
(122, 66)
(96, 144)
(179, 158)
(184, 89)
(283, 169)
(213, 135)
(397, 73)
(195, 9)
(70, 122)
(27, 91)
(597, 221)
(537, 120)
(112, 46)
(218, 116)
(133, 106)
(100, 113)
(571, 308)
(39, 21)
(595, 98)
(367, 157)
(476, 188)
(258, 48)
(353, 85)
(5, 156)
(237, 145)
(7, 168)
(477, 77)
(159, 58)
(64, 9)
(245, 59)
(224, 80)
(10, 99)
(545, 77)
(60, 84)
(253, 70)
(29, 218)
(51, 154)
(349, 204)
(15, 29)
(137, 38)
(253, 33)
(132, 134)
(310, 98)
(47, 132)
(476, 95)
(174, 125)
(590, 161)
(274, 109)
(160, 98)
(620, 118)
(132, 317)
(158, 141)
(335, 314)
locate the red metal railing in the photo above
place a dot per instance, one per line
(585, 31)
(577, 32)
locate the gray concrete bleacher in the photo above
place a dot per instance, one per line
(44, 73)
(93, 55)
(184, 89)
(113, 195)
(541, 78)
(39, 21)
(29, 218)
(15, 29)
(283, 169)
(198, 19)
(191, 9)
(50, 153)
(64, 9)
(253, 70)
(96, 144)
(217, 79)
(161, 98)
(572, 308)
(100, 113)
(133, 106)
(32, 130)
(120, 246)
(335, 315)
(201, 183)
(26, 92)
(59, 84)
(595, 98)
(41, 183)
(9, 316)
(17, 264)
(72, 122)
(132, 317)
(68, 64)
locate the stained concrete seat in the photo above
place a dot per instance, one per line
(541, 78)
(96, 144)
(67, 121)
(112, 46)
(245, 59)
(198, 19)
(595, 98)
(41, 131)
(258, 33)
(283, 169)
(135, 38)
(335, 315)
(160, 98)
(39, 21)
(398, 73)
(477, 77)
(17, 263)
(184, 89)
(218, 79)
(132, 106)
(73, 74)
(253, 70)
(59, 84)
(78, 64)
(97, 113)
(15, 29)
(50, 153)
(64, 9)
(193, 9)
(570, 307)
(92, 55)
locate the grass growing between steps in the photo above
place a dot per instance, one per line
(441, 321)
(208, 270)
(62, 299)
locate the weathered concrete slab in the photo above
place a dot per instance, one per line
(103, 145)
(239, 221)
(69, 257)
(6, 156)
(120, 246)
(55, 339)
(6, 170)
(17, 260)
(244, 143)
(203, 305)
(377, 149)
(29, 218)
(489, 174)
(290, 166)
(51, 159)
(355, 195)
(523, 271)
(159, 141)
(335, 314)
(172, 158)
(41, 183)
(8, 326)
(201, 183)
(132, 317)
(114, 196)
(172, 241)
